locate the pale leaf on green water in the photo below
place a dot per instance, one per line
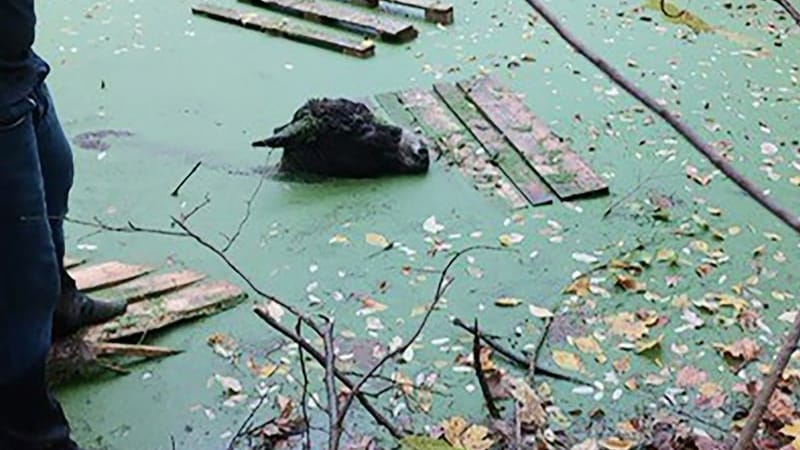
(425, 443)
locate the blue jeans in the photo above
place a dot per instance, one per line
(35, 179)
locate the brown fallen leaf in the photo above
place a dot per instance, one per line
(567, 360)
(579, 287)
(741, 352)
(625, 324)
(630, 284)
(690, 376)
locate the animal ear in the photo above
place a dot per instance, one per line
(288, 134)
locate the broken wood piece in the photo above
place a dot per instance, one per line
(70, 263)
(564, 171)
(155, 314)
(152, 286)
(361, 49)
(107, 274)
(351, 19)
(502, 152)
(435, 11)
(452, 139)
(75, 358)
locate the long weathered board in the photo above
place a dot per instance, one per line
(435, 11)
(360, 49)
(422, 109)
(90, 278)
(152, 286)
(502, 152)
(387, 29)
(158, 313)
(562, 169)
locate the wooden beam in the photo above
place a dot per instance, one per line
(70, 263)
(503, 153)
(435, 11)
(361, 49)
(151, 315)
(340, 16)
(107, 274)
(421, 109)
(567, 174)
(152, 286)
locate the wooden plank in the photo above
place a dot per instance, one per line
(155, 314)
(353, 19)
(562, 169)
(435, 11)
(452, 139)
(153, 286)
(70, 263)
(361, 49)
(502, 152)
(106, 275)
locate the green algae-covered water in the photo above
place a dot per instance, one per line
(190, 89)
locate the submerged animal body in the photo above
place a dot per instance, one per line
(342, 138)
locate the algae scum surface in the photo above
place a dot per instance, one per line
(686, 266)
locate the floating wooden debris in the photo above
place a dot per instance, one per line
(155, 302)
(435, 11)
(361, 49)
(107, 274)
(501, 151)
(387, 29)
(561, 168)
(422, 109)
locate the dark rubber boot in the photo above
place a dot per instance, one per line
(76, 310)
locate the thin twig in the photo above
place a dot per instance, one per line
(129, 228)
(185, 179)
(294, 311)
(243, 427)
(246, 216)
(476, 363)
(334, 431)
(539, 346)
(197, 208)
(667, 13)
(320, 358)
(684, 130)
(762, 399)
(516, 359)
(790, 9)
(304, 396)
(401, 349)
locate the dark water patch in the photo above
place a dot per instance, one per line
(99, 140)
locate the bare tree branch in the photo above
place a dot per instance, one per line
(762, 399)
(476, 363)
(304, 395)
(334, 431)
(186, 178)
(401, 349)
(246, 217)
(790, 9)
(320, 358)
(684, 130)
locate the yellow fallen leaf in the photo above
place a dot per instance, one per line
(507, 240)
(630, 284)
(588, 344)
(643, 346)
(339, 239)
(476, 437)
(377, 240)
(567, 360)
(625, 324)
(615, 443)
(666, 254)
(453, 427)
(579, 287)
(508, 302)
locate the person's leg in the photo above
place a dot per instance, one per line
(74, 310)
(29, 289)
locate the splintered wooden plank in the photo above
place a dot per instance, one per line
(503, 153)
(435, 11)
(107, 274)
(152, 286)
(150, 315)
(388, 29)
(452, 139)
(560, 167)
(360, 49)
(70, 263)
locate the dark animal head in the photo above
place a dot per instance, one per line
(338, 137)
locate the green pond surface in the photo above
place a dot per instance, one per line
(191, 89)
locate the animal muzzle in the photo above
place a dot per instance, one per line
(415, 153)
